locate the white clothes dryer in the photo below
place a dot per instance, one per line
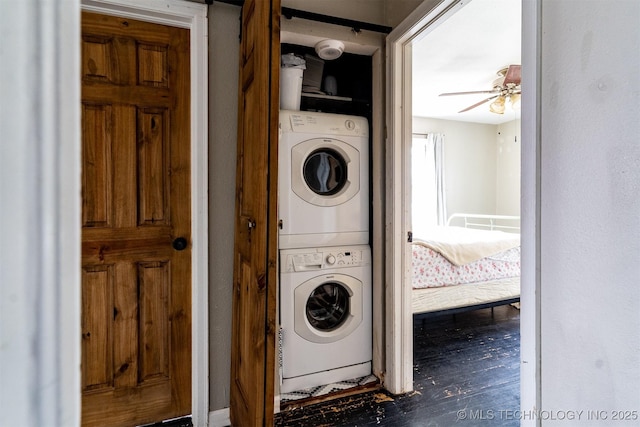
(323, 180)
(325, 315)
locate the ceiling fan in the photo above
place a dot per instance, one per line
(507, 85)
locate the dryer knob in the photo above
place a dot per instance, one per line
(350, 124)
(331, 259)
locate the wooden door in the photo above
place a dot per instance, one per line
(136, 270)
(254, 297)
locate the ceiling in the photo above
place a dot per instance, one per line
(464, 53)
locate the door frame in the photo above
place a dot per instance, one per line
(192, 16)
(399, 333)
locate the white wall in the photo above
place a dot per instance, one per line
(590, 207)
(508, 148)
(471, 164)
(40, 213)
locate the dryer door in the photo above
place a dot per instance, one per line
(325, 171)
(328, 308)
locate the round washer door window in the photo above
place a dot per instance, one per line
(327, 309)
(325, 171)
(328, 306)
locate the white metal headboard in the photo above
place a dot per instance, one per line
(488, 221)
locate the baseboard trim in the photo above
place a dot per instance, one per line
(219, 418)
(276, 404)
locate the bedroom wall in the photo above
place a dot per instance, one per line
(470, 163)
(508, 147)
(590, 208)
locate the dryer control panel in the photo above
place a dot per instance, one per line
(323, 123)
(324, 258)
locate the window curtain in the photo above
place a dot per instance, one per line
(428, 198)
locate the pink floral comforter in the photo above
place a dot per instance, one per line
(432, 270)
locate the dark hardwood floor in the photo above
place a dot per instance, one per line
(466, 372)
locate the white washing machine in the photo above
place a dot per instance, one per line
(325, 315)
(323, 180)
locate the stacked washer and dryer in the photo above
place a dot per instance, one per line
(325, 259)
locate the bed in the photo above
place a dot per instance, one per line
(473, 262)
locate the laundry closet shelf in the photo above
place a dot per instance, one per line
(330, 97)
(335, 104)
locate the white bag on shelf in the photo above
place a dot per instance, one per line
(291, 74)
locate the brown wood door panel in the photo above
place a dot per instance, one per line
(136, 288)
(255, 280)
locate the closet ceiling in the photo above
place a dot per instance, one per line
(464, 53)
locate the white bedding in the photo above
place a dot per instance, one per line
(459, 267)
(465, 245)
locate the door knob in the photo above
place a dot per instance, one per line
(180, 244)
(252, 224)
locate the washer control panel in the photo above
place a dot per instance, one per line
(344, 258)
(324, 258)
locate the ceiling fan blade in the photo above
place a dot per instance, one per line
(513, 75)
(468, 93)
(477, 104)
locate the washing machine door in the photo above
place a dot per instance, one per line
(325, 171)
(328, 308)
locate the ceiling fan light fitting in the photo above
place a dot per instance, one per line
(507, 85)
(497, 106)
(515, 101)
